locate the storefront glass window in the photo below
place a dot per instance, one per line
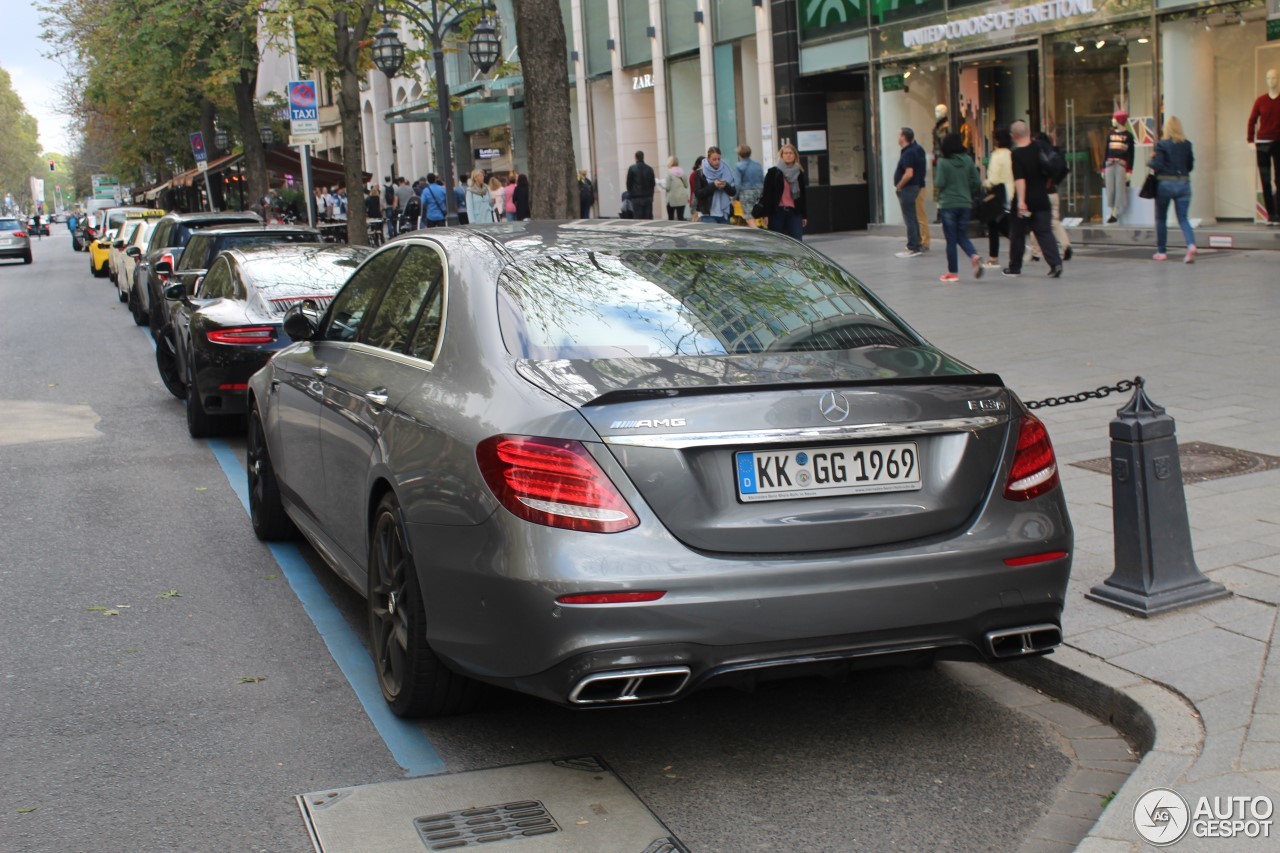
(734, 19)
(908, 97)
(886, 11)
(637, 49)
(595, 21)
(821, 20)
(1090, 75)
(684, 96)
(679, 30)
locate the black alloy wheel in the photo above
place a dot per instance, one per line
(270, 521)
(200, 424)
(139, 316)
(120, 294)
(414, 681)
(167, 363)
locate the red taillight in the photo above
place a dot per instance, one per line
(553, 482)
(166, 258)
(242, 335)
(19, 233)
(610, 597)
(234, 386)
(1035, 468)
(1032, 559)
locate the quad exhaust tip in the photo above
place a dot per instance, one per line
(1027, 640)
(630, 685)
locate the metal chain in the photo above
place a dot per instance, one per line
(1097, 394)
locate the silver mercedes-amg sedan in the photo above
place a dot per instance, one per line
(615, 462)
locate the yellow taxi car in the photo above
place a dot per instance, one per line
(109, 221)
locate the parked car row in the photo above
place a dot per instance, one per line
(610, 463)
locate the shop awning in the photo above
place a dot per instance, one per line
(279, 159)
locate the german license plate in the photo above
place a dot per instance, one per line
(780, 475)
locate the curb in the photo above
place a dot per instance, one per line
(1164, 725)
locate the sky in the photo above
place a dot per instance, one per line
(35, 78)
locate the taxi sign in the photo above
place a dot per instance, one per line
(143, 214)
(304, 112)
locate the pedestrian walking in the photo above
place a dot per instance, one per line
(1032, 210)
(404, 195)
(784, 195)
(35, 222)
(958, 182)
(520, 198)
(640, 184)
(675, 187)
(373, 203)
(695, 182)
(389, 209)
(1055, 206)
(750, 182)
(717, 189)
(478, 203)
(1172, 164)
(908, 181)
(586, 195)
(435, 203)
(999, 185)
(460, 199)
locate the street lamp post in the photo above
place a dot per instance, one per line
(435, 19)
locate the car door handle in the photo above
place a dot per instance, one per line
(320, 371)
(377, 397)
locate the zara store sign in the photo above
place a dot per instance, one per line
(643, 81)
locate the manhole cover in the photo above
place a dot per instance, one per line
(1201, 461)
(573, 805)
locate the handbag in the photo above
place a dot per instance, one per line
(991, 206)
(1149, 186)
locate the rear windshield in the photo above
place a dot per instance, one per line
(182, 233)
(658, 304)
(9, 225)
(206, 247)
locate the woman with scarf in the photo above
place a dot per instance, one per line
(782, 201)
(716, 190)
(479, 205)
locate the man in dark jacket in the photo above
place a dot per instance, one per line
(640, 183)
(908, 182)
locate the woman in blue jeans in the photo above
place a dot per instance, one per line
(1172, 163)
(957, 181)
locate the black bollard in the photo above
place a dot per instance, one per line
(1155, 568)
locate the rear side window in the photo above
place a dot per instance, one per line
(196, 256)
(9, 225)
(351, 306)
(217, 284)
(659, 304)
(418, 274)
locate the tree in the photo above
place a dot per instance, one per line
(553, 184)
(18, 143)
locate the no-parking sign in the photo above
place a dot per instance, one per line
(304, 112)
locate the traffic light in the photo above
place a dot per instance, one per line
(51, 166)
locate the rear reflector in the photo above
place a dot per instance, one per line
(552, 481)
(234, 386)
(242, 335)
(1035, 468)
(609, 597)
(1032, 559)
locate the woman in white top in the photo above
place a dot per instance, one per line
(676, 186)
(497, 199)
(479, 202)
(999, 171)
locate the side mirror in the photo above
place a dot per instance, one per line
(118, 245)
(175, 292)
(163, 268)
(302, 321)
(133, 252)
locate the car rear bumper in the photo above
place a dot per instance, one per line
(490, 594)
(224, 389)
(14, 251)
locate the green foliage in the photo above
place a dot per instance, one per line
(18, 143)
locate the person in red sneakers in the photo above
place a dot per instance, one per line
(957, 181)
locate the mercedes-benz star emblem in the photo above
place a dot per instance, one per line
(834, 406)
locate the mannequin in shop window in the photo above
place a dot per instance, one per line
(1264, 134)
(1118, 164)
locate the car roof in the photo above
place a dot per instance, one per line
(520, 240)
(231, 216)
(275, 251)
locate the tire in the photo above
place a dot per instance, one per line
(139, 316)
(200, 423)
(120, 294)
(167, 363)
(270, 522)
(26, 257)
(414, 681)
(96, 272)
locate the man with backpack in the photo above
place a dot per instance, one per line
(1030, 206)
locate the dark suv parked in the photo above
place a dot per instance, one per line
(168, 240)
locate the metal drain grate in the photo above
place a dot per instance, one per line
(1202, 461)
(473, 827)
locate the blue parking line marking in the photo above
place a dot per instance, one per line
(409, 744)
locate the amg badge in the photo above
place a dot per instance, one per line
(648, 423)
